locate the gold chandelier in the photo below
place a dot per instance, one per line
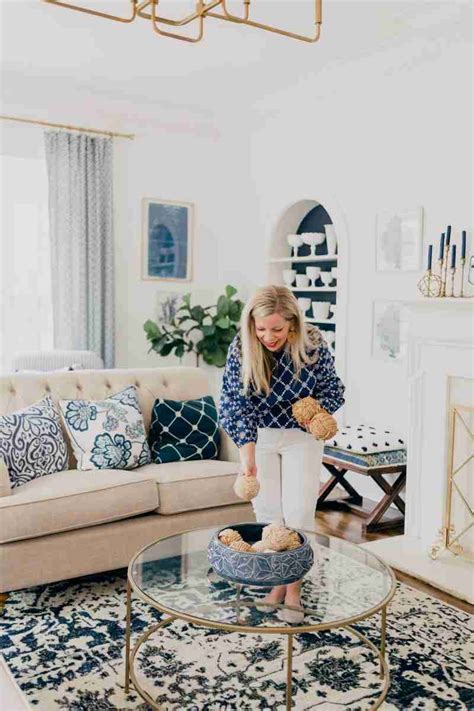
(148, 9)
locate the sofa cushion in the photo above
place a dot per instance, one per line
(107, 434)
(188, 486)
(71, 499)
(184, 430)
(32, 442)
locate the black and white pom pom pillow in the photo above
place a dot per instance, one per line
(365, 439)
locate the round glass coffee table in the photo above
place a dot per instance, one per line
(345, 585)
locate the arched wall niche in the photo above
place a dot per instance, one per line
(311, 215)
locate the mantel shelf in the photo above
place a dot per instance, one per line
(309, 258)
(313, 288)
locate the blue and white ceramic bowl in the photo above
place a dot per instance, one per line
(266, 569)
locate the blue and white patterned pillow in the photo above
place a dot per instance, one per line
(107, 434)
(32, 443)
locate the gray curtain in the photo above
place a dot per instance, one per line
(80, 214)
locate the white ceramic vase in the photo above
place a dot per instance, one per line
(331, 239)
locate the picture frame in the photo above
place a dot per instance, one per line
(167, 232)
(399, 239)
(389, 330)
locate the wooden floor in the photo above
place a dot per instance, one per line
(348, 526)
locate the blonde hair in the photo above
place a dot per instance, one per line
(257, 361)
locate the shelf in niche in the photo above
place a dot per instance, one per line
(313, 288)
(328, 321)
(309, 258)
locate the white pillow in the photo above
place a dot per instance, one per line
(107, 434)
(365, 439)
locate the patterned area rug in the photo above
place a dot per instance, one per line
(64, 644)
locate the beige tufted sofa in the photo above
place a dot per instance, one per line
(74, 523)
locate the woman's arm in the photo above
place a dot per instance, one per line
(329, 388)
(236, 412)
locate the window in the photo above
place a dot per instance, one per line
(26, 322)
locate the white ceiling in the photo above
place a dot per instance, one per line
(66, 66)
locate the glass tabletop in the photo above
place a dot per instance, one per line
(346, 583)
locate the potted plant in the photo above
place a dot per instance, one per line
(206, 331)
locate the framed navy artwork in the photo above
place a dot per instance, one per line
(167, 240)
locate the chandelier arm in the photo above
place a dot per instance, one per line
(176, 23)
(236, 18)
(269, 28)
(69, 6)
(183, 38)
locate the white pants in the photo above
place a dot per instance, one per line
(288, 469)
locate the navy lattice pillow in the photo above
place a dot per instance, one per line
(183, 430)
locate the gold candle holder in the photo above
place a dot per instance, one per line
(444, 275)
(453, 273)
(463, 264)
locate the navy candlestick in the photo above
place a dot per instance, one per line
(453, 257)
(430, 256)
(463, 244)
(448, 235)
(441, 247)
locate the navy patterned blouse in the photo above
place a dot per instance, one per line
(241, 415)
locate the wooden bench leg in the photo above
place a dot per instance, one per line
(392, 491)
(337, 477)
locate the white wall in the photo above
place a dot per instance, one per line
(391, 127)
(211, 173)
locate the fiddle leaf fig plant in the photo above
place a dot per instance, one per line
(206, 331)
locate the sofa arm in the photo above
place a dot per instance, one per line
(228, 452)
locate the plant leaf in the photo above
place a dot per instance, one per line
(230, 291)
(223, 322)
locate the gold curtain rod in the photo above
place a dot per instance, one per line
(130, 136)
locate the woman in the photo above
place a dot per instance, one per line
(275, 361)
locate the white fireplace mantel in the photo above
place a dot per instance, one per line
(440, 352)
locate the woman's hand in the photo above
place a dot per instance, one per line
(248, 469)
(247, 459)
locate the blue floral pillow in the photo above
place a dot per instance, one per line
(184, 430)
(108, 434)
(32, 442)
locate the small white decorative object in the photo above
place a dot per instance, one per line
(294, 241)
(289, 276)
(330, 338)
(331, 239)
(333, 309)
(304, 304)
(320, 310)
(312, 239)
(326, 278)
(313, 274)
(302, 280)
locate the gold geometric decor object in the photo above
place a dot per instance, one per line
(430, 284)
(459, 508)
(218, 9)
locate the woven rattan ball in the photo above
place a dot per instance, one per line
(305, 409)
(259, 547)
(295, 541)
(246, 487)
(277, 538)
(323, 426)
(241, 546)
(228, 536)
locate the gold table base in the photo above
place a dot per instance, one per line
(130, 654)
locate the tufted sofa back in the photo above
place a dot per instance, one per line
(20, 390)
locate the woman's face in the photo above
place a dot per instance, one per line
(272, 331)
